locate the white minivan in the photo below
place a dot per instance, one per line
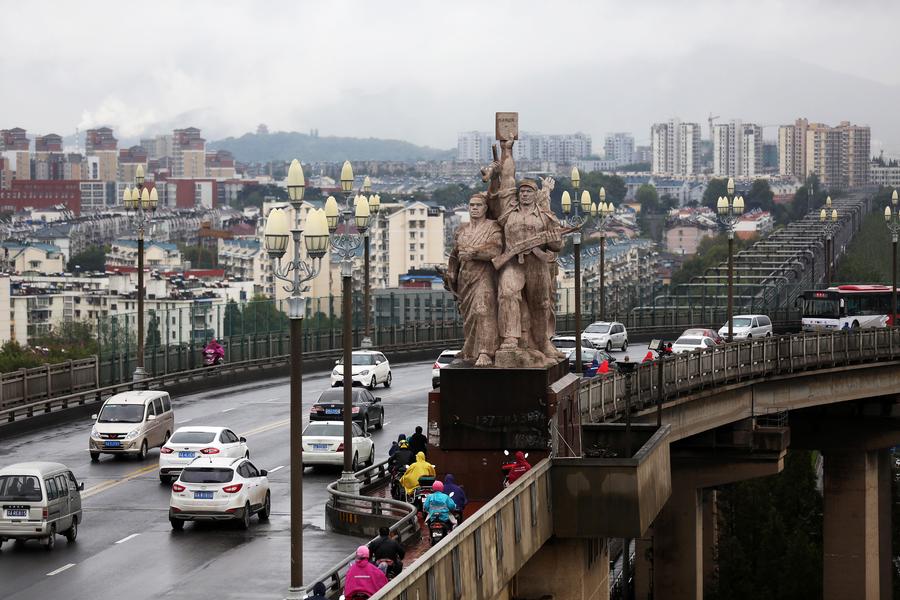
(39, 500)
(132, 423)
(748, 326)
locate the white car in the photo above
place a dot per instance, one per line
(690, 343)
(369, 368)
(566, 344)
(220, 489)
(188, 443)
(442, 361)
(748, 326)
(323, 444)
(607, 335)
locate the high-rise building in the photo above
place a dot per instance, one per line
(675, 148)
(158, 147)
(220, 164)
(619, 148)
(129, 160)
(839, 156)
(14, 145)
(49, 161)
(737, 149)
(101, 144)
(475, 146)
(188, 154)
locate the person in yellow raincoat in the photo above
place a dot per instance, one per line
(420, 468)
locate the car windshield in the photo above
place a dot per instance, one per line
(206, 475)
(741, 322)
(19, 488)
(687, 341)
(193, 437)
(360, 359)
(597, 328)
(324, 430)
(563, 343)
(121, 413)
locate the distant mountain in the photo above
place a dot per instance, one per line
(282, 145)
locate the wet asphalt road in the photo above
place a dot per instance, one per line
(126, 547)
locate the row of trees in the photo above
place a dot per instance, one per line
(69, 341)
(868, 259)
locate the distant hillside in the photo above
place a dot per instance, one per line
(282, 145)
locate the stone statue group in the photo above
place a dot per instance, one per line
(502, 270)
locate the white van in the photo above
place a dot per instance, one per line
(132, 423)
(39, 500)
(748, 326)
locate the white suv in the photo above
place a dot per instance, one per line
(748, 326)
(220, 489)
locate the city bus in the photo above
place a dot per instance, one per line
(846, 307)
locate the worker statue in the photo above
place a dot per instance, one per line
(532, 236)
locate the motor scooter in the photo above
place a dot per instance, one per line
(212, 357)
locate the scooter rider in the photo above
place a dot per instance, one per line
(459, 494)
(363, 576)
(438, 505)
(420, 468)
(385, 546)
(522, 467)
(402, 458)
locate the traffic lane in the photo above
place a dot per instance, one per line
(147, 500)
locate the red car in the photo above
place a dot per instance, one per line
(710, 333)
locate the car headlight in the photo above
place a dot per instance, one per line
(94, 432)
(366, 372)
(133, 433)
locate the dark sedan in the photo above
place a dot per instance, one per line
(367, 409)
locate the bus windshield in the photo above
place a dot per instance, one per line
(822, 308)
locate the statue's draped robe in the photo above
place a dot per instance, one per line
(476, 286)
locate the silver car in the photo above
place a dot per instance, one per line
(39, 500)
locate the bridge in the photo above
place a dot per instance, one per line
(697, 421)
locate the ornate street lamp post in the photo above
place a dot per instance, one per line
(296, 273)
(828, 217)
(730, 209)
(142, 203)
(605, 212)
(892, 218)
(356, 217)
(572, 218)
(374, 206)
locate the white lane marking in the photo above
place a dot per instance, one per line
(279, 467)
(385, 423)
(185, 420)
(229, 409)
(130, 537)
(60, 570)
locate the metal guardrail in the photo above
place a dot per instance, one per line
(96, 395)
(406, 527)
(57, 379)
(603, 397)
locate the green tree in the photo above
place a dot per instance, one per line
(200, 257)
(648, 198)
(868, 258)
(668, 202)
(255, 195)
(232, 319)
(714, 189)
(153, 337)
(451, 196)
(92, 259)
(760, 196)
(710, 252)
(770, 535)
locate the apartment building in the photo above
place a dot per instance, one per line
(839, 156)
(475, 146)
(884, 175)
(737, 149)
(129, 161)
(405, 237)
(619, 148)
(246, 260)
(220, 164)
(101, 144)
(675, 148)
(161, 256)
(14, 147)
(188, 154)
(31, 258)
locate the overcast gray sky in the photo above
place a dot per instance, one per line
(424, 70)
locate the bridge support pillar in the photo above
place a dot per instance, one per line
(857, 527)
(683, 533)
(565, 569)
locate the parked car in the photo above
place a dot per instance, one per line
(589, 354)
(220, 489)
(132, 423)
(689, 343)
(748, 326)
(607, 335)
(367, 409)
(187, 443)
(702, 332)
(369, 368)
(39, 500)
(323, 444)
(442, 361)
